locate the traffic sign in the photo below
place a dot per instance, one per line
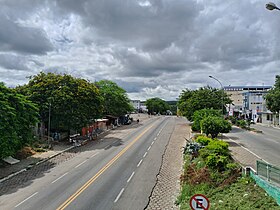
(199, 202)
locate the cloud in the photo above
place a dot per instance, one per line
(149, 47)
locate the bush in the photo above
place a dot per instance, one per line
(203, 140)
(241, 123)
(200, 115)
(214, 126)
(218, 162)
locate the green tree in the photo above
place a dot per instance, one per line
(73, 102)
(200, 115)
(203, 98)
(214, 125)
(116, 101)
(273, 96)
(157, 105)
(18, 116)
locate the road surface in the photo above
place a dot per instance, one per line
(116, 174)
(265, 145)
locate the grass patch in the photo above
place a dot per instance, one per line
(226, 190)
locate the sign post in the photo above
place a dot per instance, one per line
(199, 202)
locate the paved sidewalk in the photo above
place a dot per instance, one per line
(167, 187)
(241, 154)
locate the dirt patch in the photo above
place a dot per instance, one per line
(24, 153)
(195, 176)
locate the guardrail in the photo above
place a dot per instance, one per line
(268, 171)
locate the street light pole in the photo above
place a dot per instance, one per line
(222, 89)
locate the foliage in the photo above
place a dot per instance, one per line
(203, 140)
(200, 115)
(73, 102)
(203, 98)
(214, 125)
(116, 101)
(157, 105)
(18, 116)
(273, 96)
(241, 123)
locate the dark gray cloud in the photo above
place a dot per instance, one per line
(22, 39)
(9, 61)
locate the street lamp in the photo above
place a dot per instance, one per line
(271, 6)
(222, 88)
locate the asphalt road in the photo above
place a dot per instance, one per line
(266, 145)
(119, 174)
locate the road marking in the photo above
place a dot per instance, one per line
(145, 154)
(80, 164)
(130, 177)
(248, 150)
(119, 195)
(149, 148)
(94, 155)
(153, 142)
(59, 177)
(155, 138)
(26, 199)
(158, 134)
(139, 163)
(108, 146)
(115, 141)
(101, 171)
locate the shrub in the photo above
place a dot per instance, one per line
(241, 123)
(200, 115)
(218, 162)
(203, 140)
(214, 126)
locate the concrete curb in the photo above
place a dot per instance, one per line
(32, 165)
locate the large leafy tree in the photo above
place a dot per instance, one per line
(203, 98)
(273, 96)
(18, 116)
(72, 102)
(157, 105)
(116, 101)
(200, 115)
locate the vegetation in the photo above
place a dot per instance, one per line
(116, 101)
(18, 116)
(200, 115)
(157, 105)
(73, 102)
(214, 125)
(273, 96)
(214, 174)
(203, 98)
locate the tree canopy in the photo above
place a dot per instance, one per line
(273, 96)
(18, 116)
(203, 98)
(116, 101)
(73, 102)
(157, 105)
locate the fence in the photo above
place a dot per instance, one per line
(269, 172)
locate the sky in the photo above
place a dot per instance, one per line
(151, 48)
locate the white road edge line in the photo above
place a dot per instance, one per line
(158, 134)
(26, 199)
(119, 195)
(149, 148)
(94, 155)
(155, 138)
(59, 177)
(248, 150)
(80, 164)
(152, 142)
(145, 154)
(139, 163)
(130, 177)
(108, 146)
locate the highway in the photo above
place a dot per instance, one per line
(116, 174)
(266, 145)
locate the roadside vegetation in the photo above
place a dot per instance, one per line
(70, 103)
(210, 170)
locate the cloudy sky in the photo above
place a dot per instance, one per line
(151, 48)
